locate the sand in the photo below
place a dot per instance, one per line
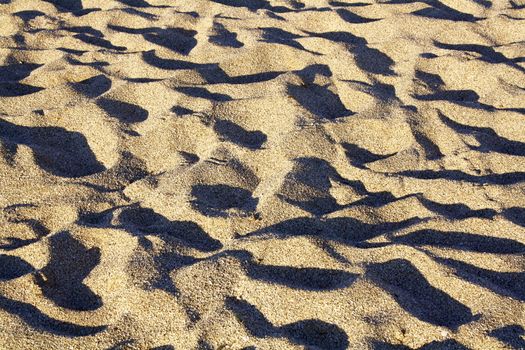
(262, 174)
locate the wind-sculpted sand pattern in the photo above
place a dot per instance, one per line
(262, 174)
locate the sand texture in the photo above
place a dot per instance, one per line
(262, 174)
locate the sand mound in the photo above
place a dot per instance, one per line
(262, 174)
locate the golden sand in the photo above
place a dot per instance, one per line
(262, 174)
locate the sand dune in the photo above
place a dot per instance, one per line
(262, 174)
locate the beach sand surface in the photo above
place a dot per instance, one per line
(262, 174)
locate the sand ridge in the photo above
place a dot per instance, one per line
(262, 174)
